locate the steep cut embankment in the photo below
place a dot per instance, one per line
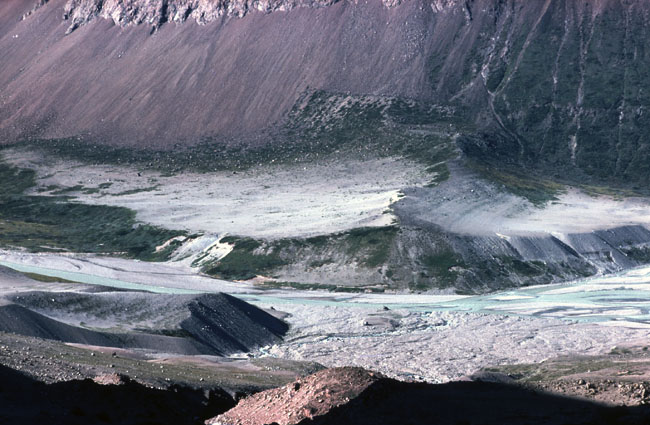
(203, 324)
(22, 321)
(554, 83)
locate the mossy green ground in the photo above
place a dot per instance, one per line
(243, 262)
(567, 96)
(45, 223)
(537, 190)
(369, 247)
(620, 363)
(442, 265)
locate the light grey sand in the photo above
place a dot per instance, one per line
(270, 201)
(274, 201)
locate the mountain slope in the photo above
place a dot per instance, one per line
(554, 83)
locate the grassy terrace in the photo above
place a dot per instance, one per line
(43, 223)
(537, 190)
(368, 247)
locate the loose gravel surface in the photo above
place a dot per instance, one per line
(619, 377)
(52, 361)
(266, 202)
(436, 346)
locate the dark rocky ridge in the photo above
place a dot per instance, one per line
(22, 321)
(553, 83)
(216, 324)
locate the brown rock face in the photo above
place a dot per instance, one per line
(306, 398)
(110, 379)
(157, 12)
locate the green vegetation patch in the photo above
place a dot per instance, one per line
(272, 284)
(614, 192)
(71, 189)
(553, 370)
(537, 190)
(45, 223)
(138, 190)
(368, 247)
(525, 268)
(619, 362)
(48, 279)
(244, 262)
(14, 181)
(371, 245)
(325, 123)
(443, 266)
(566, 97)
(440, 174)
(638, 253)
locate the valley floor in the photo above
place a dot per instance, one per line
(436, 338)
(265, 202)
(337, 194)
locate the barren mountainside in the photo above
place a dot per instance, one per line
(552, 83)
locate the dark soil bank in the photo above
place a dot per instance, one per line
(26, 401)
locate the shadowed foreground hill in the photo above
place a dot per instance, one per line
(24, 400)
(333, 396)
(355, 396)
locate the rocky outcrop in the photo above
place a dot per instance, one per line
(309, 397)
(157, 12)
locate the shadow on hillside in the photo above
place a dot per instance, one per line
(24, 400)
(473, 403)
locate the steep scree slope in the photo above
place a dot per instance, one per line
(556, 83)
(207, 324)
